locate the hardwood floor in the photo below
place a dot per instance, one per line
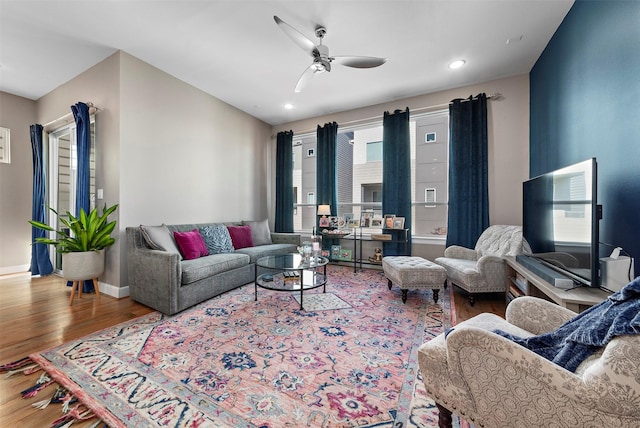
(35, 315)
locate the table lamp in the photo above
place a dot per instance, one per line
(324, 210)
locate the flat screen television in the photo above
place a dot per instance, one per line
(561, 221)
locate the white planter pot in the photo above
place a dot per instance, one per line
(84, 265)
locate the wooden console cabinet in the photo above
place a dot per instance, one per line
(523, 282)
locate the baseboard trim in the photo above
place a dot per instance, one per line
(113, 291)
(9, 270)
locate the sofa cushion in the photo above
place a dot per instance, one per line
(260, 233)
(240, 236)
(159, 238)
(460, 270)
(205, 267)
(216, 238)
(191, 244)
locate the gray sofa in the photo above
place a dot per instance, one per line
(162, 280)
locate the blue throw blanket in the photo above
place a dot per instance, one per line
(579, 337)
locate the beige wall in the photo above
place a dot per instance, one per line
(508, 128)
(186, 157)
(17, 114)
(98, 85)
(166, 152)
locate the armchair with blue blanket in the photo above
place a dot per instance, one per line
(543, 366)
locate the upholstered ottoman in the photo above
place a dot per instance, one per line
(412, 273)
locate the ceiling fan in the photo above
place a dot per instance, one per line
(320, 53)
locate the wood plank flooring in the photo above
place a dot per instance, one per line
(35, 315)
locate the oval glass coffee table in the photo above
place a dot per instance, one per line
(289, 272)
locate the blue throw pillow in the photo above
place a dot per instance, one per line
(217, 239)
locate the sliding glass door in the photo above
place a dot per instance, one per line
(63, 174)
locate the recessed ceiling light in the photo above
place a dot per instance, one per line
(288, 106)
(457, 64)
(514, 39)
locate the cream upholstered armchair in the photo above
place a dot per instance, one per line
(482, 269)
(493, 382)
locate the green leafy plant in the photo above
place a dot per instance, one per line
(89, 232)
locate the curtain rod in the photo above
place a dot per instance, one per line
(495, 96)
(92, 110)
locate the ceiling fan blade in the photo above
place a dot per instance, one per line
(306, 76)
(295, 35)
(360, 61)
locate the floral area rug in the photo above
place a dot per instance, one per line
(347, 360)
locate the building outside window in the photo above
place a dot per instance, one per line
(359, 171)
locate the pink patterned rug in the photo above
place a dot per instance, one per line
(348, 360)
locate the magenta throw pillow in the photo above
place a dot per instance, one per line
(191, 244)
(240, 236)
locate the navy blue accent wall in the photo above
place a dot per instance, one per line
(585, 102)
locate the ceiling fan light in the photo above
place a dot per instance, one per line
(457, 64)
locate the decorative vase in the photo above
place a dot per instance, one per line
(83, 265)
(307, 251)
(316, 244)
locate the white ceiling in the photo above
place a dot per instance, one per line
(234, 51)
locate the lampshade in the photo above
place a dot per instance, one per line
(324, 209)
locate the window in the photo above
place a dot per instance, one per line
(359, 174)
(374, 151)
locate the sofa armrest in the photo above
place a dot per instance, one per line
(492, 269)
(285, 238)
(537, 316)
(494, 370)
(458, 252)
(153, 276)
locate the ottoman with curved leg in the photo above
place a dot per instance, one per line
(414, 273)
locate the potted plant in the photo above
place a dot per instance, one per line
(82, 246)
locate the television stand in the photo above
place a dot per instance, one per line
(522, 282)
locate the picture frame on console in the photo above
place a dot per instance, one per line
(335, 252)
(365, 218)
(398, 223)
(388, 220)
(346, 254)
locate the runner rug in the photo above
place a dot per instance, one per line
(348, 359)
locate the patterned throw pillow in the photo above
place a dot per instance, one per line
(217, 239)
